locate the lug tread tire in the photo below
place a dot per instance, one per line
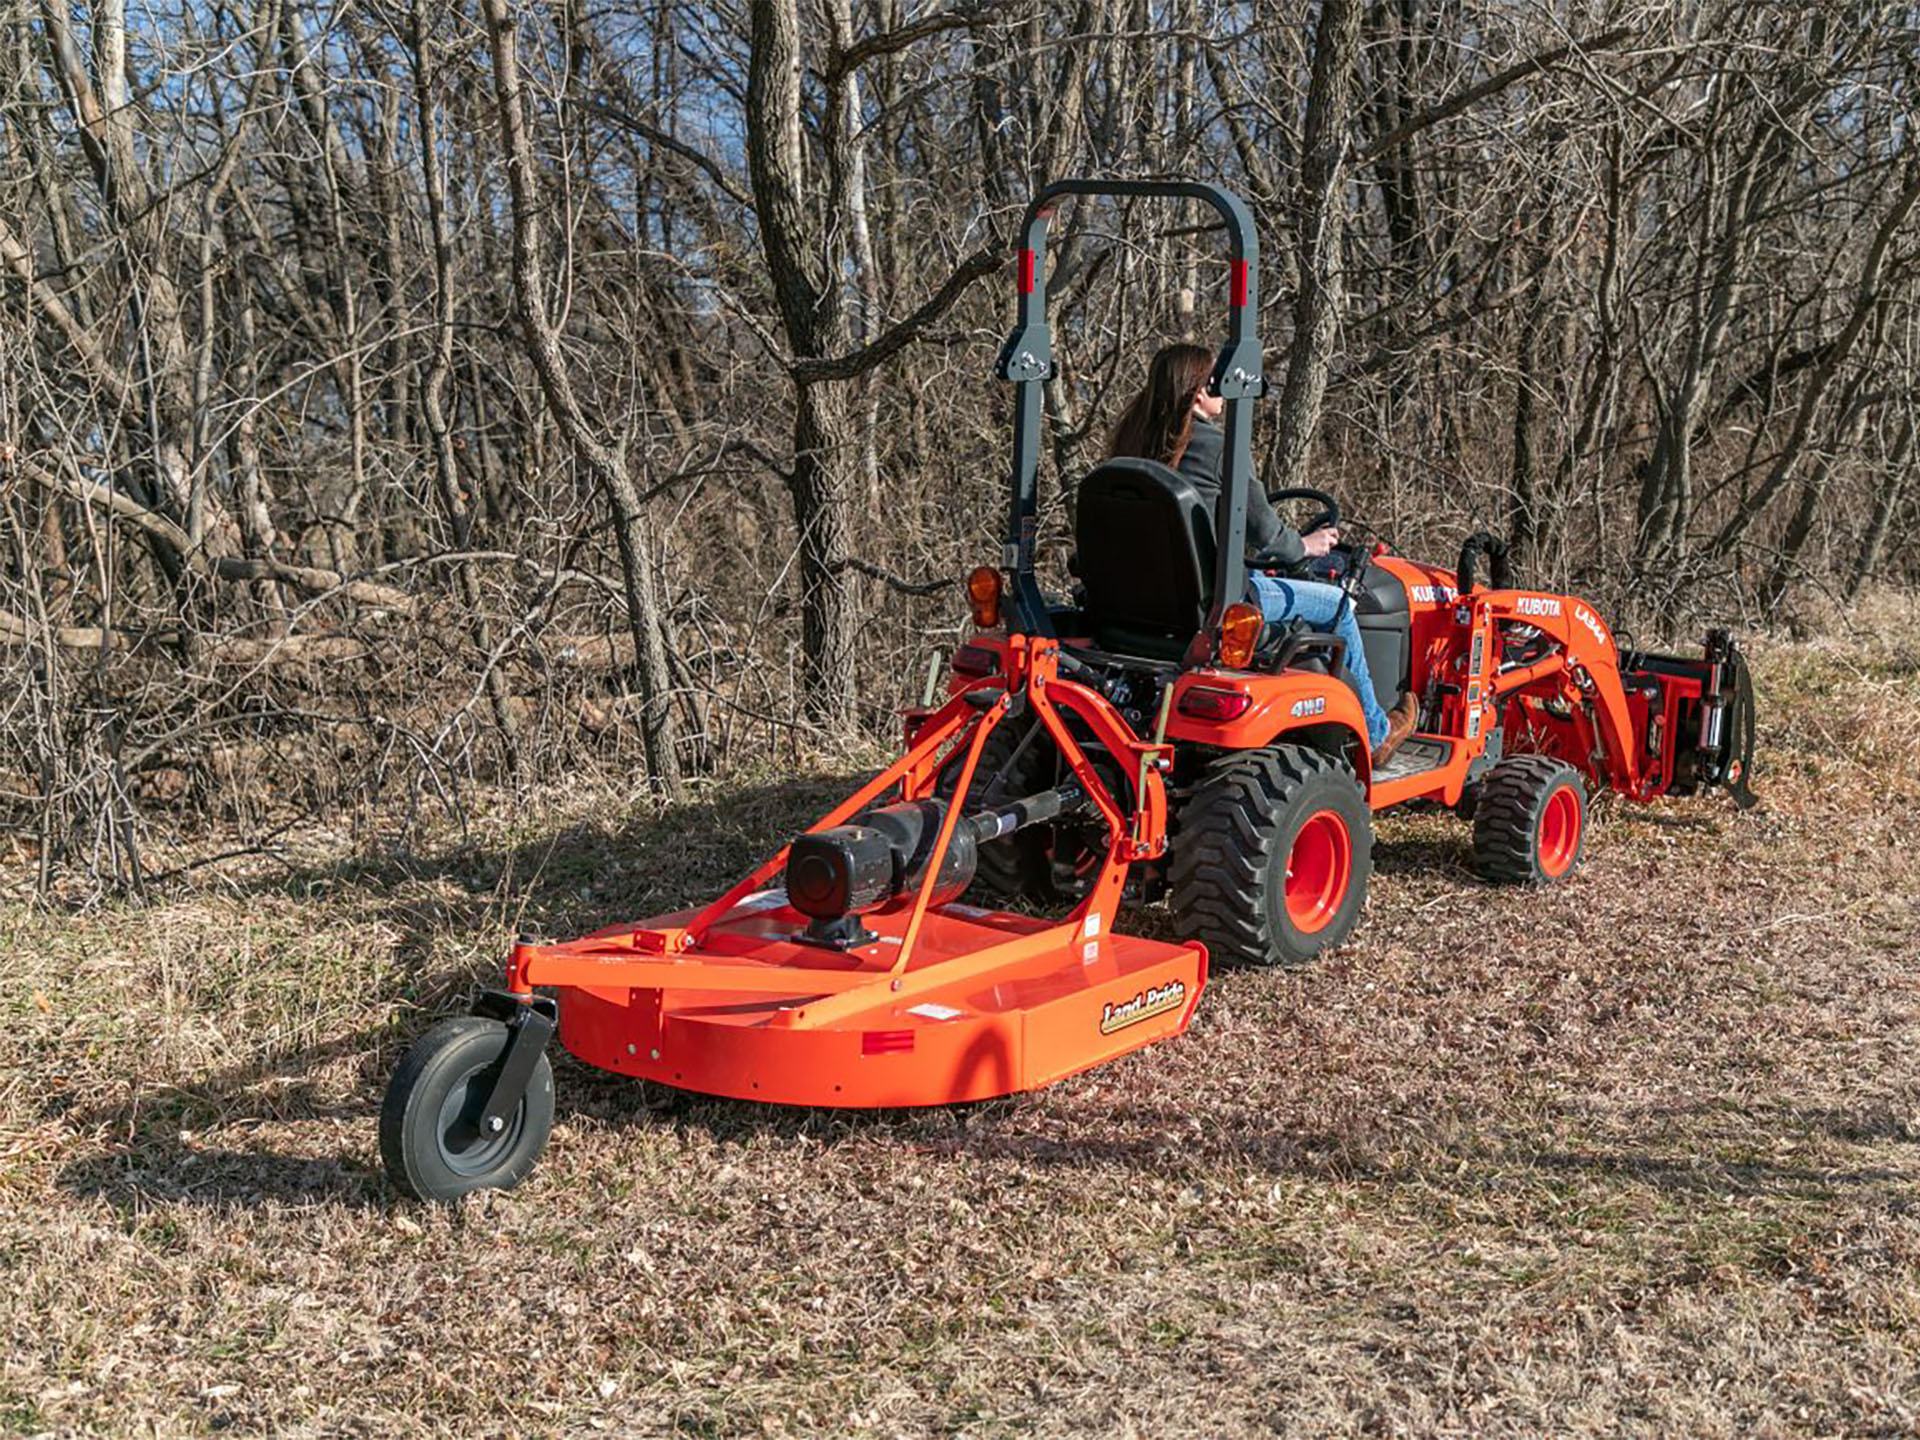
(409, 1115)
(1506, 819)
(1228, 855)
(1015, 867)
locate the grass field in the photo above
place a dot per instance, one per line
(1638, 1154)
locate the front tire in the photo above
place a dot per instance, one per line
(1272, 856)
(1530, 825)
(430, 1133)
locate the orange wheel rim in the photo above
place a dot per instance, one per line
(1319, 869)
(1559, 831)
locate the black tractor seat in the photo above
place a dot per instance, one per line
(1145, 555)
(1145, 564)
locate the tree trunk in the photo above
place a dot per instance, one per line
(1320, 229)
(1892, 490)
(1815, 487)
(433, 390)
(605, 463)
(803, 264)
(107, 117)
(823, 437)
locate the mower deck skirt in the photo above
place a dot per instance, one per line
(992, 1004)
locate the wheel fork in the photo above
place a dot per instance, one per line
(530, 1021)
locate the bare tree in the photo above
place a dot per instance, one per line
(398, 398)
(1319, 230)
(605, 460)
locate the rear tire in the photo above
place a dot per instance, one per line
(1530, 825)
(1272, 856)
(1024, 865)
(429, 1136)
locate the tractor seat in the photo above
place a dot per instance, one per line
(1145, 557)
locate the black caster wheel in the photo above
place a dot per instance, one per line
(431, 1133)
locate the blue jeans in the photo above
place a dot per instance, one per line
(1324, 607)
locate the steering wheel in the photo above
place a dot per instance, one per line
(1329, 507)
(1346, 563)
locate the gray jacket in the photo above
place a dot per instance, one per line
(1269, 543)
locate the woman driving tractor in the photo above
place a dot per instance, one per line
(1175, 421)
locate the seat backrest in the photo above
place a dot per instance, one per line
(1146, 551)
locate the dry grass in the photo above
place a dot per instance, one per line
(1637, 1154)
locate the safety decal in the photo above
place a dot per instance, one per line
(1144, 1006)
(762, 900)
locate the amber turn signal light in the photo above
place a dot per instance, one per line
(983, 595)
(1240, 630)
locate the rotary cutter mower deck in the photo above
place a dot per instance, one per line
(1148, 738)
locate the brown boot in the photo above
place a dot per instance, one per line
(1400, 722)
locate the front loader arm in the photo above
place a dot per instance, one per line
(1587, 672)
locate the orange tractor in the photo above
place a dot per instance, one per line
(1151, 738)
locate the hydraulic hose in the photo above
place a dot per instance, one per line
(1495, 549)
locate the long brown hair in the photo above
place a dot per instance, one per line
(1158, 422)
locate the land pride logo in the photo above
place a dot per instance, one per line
(1144, 1006)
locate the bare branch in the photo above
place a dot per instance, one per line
(981, 263)
(1466, 99)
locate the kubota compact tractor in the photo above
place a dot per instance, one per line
(1152, 738)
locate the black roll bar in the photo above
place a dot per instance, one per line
(1027, 361)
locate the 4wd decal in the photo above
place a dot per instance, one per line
(1157, 1000)
(1536, 605)
(1316, 706)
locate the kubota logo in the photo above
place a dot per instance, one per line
(1144, 1006)
(1316, 706)
(1587, 618)
(1428, 594)
(1536, 605)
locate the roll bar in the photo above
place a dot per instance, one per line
(1027, 361)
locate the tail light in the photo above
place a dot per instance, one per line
(975, 661)
(983, 595)
(1202, 702)
(1240, 630)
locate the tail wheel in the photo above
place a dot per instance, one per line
(1531, 823)
(431, 1136)
(1272, 856)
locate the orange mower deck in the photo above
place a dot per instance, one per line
(992, 1004)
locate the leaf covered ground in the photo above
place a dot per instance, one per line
(1637, 1154)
